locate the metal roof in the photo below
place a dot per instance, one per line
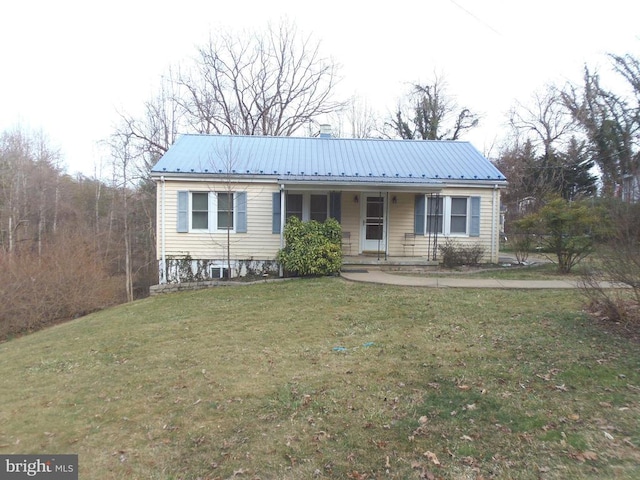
(321, 158)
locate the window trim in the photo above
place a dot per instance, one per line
(212, 206)
(306, 203)
(451, 215)
(447, 216)
(191, 211)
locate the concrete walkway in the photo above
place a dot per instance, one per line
(374, 275)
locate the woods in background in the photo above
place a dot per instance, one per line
(62, 237)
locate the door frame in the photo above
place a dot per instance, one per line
(375, 246)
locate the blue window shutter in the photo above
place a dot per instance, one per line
(475, 217)
(241, 215)
(335, 205)
(418, 215)
(183, 211)
(276, 212)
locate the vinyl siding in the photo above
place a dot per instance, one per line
(258, 243)
(351, 220)
(400, 222)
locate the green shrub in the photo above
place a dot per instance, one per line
(568, 230)
(455, 255)
(311, 248)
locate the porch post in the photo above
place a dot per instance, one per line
(386, 227)
(283, 218)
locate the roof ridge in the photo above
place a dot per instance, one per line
(407, 140)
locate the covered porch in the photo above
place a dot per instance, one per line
(378, 221)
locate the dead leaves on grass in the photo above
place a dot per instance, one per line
(432, 457)
(547, 376)
(584, 456)
(422, 428)
(355, 475)
(424, 472)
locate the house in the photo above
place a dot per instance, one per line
(223, 199)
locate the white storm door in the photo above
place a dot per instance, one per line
(373, 223)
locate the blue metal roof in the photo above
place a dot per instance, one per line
(323, 159)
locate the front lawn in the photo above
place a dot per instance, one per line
(329, 379)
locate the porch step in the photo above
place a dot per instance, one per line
(391, 263)
(358, 270)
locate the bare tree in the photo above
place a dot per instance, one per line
(269, 83)
(610, 121)
(151, 135)
(432, 114)
(122, 162)
(29, 171)
(553, 161)
(362, 118)
(546, 122)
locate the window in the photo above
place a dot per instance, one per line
(447, 215)
(199, 210)
(218, 271)
(212, 212)
(458, 215)
(225, 211)
(294, 205)
(318, 208)
(306, 206)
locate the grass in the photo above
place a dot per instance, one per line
(540, 271)
(328, 379)
(544, 271)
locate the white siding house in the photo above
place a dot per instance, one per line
(222, 200)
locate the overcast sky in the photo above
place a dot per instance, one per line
(69, 66)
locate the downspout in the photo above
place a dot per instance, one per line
(386, 229)
(494, 233)
(163, 272)
(283, 218)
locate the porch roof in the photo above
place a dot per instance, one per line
(328, 160)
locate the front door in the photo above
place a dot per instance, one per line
(373, 223)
